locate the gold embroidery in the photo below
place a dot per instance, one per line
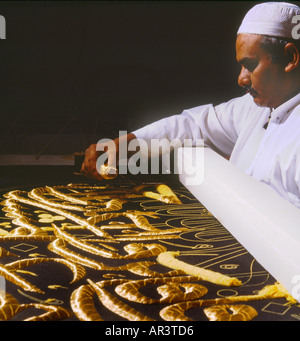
(52, 301)
(53, 313)
(49, 218)
(82, 304)
(176, 312)
(56, 286)
(5, 253)
(238, 312)
(78, 271)
(165, 194)
(82, 244)
(171, 291)
(119, 226)
(118, 307)
(8, 306)
(168, 259)
(16, 195)
(21, 282)
(58, 246)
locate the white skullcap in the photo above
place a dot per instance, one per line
(270, 18)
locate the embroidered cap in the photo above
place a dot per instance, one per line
(270, 18)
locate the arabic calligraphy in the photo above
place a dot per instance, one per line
(117, 246)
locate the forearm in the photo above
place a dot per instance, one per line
(207, 124)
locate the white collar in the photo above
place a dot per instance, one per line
(280, 113)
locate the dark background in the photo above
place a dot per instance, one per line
(74, 72)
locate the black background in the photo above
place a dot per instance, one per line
(74, 72)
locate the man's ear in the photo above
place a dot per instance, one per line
(292, 56)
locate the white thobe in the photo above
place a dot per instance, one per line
(236, 129)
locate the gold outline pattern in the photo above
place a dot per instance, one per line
(134, 235)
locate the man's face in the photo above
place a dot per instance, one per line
(262, 78)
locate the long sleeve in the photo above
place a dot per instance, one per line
(237, 129)
(218, 126)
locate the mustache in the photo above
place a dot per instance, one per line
(249, 89)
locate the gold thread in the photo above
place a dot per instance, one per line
(58, 246)
(239, 312)
(82, 304)
(19, 281)
(8, 306)
(78, 271)
(15, 195)
(53, 313)
(170, 291)
(115, 305)
(169, 259)
(176, 312)
(5, 253)
(174, 286)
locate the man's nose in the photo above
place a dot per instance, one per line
(244, 78)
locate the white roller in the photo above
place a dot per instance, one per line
(264, 223)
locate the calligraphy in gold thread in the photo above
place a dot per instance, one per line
(118, 307)
(77, 219)
(8, 271)
(174, 286)
(30, 237)
(169, 259)
(9, 307)
(82, 304)
(88, 205)
(49, 218)
(217, 309)
(60, 195)
(59, 247)
(10, 276)
(5, 253)
(15, 197)
(26, 223)
(165, 194)
(52, 301)
(135, 250)
(37, 194)
(53, 313)
(77, 270)
(170, 290)
(81, 244)
(176, 312)
(236, 312)
(16, 212)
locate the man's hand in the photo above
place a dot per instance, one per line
(89, 167)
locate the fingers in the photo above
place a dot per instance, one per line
(89, 174)
(88, 167)
(101, 159)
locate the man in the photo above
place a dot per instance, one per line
(260, 131)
